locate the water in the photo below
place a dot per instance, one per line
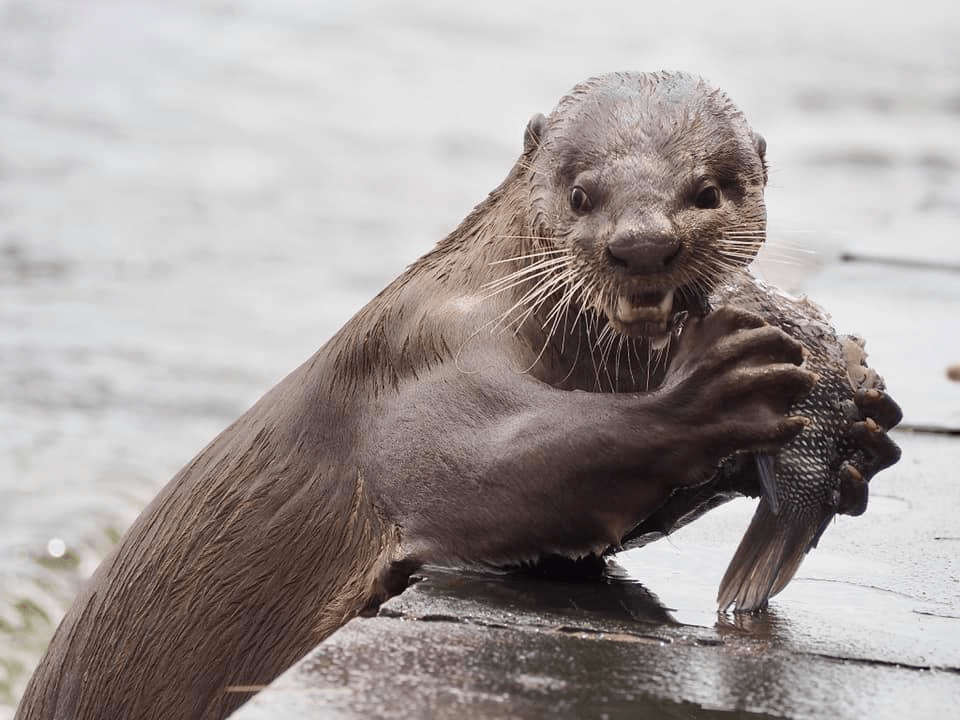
(195, 195)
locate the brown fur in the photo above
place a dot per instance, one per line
(248, 558)
(437, 425)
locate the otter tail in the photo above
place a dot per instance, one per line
(766, 560)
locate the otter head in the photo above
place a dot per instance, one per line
(652, 184)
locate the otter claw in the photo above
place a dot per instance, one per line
(876, 404)
(854, 491)
(880, 451)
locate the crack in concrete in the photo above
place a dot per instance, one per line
(937, 615)
(900, 262)
(928, 429)
(621, 635)
(870, 662)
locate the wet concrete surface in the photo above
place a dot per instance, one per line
(908, 313)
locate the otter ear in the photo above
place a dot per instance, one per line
(533, 133)
(761, 144)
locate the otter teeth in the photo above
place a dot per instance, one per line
(659, 342)
(629, 312)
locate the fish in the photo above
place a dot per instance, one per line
(801, 482)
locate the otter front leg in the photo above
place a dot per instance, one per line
(498, 468)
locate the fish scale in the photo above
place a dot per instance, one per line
(801, 482)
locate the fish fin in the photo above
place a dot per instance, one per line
(820, 530)
(767, 470)
(765, 561)
(780, 582)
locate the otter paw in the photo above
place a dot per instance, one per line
(873, 447)
(732, 383)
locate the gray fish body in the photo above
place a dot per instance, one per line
(801, 483)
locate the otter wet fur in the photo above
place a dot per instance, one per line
(814, 476)
(519, 394)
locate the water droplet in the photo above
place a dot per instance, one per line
(56, 547)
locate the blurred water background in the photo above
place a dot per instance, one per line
(195, 194)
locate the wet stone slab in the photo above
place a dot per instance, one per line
(870, 627)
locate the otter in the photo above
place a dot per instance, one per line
(545, 383)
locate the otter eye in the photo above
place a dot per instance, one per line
(708, 198)
(580, 201)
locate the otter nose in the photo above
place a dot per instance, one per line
(643, 252)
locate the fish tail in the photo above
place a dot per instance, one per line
(766, 560)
